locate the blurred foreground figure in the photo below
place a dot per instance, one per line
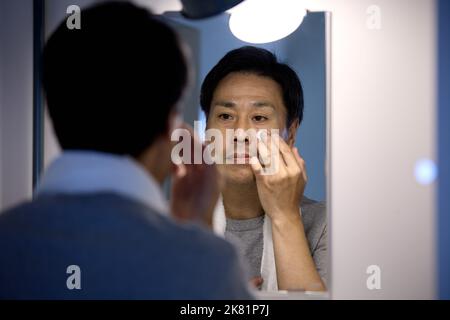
(100, 226)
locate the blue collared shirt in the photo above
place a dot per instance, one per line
(104, 215)
(76, 172)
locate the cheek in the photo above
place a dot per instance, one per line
(281, 122)
(274, 124)
(281, 126)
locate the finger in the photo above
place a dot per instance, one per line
(180, 170)
(264, 154)
(287, 155)
(256, 167)
(263, 150)
(277, 156)
(276, 164)
(300, 162)
(298, 158)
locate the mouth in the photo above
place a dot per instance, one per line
(242, 159)
(240, 156)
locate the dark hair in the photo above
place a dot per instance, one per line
(111, 85)
(261, 62)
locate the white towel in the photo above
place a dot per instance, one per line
(268, 266)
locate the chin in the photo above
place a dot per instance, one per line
(237, 173)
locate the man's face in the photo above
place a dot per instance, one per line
(245, 101)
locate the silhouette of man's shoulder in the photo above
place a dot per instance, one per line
(125, 241)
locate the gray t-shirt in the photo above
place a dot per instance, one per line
(248, 237)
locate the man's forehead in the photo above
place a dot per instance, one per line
(234, 102)
(247, 79)
(248, 89)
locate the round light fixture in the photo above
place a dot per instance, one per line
(263, 21)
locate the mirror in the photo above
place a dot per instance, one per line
(306, 52)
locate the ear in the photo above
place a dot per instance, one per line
(292, 133)
(173, 122)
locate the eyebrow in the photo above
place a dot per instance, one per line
(263, 104)
(230, 104)
(226, 104)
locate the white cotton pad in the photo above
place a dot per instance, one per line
(261, 134)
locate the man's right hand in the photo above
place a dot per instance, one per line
(195, 188)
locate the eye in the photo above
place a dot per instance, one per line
(260, 118)
(225, 116)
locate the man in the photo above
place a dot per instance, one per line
(99, 226)
(250, 89)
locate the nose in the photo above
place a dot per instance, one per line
(241, 131)
(240, 136)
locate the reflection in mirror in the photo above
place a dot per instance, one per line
(278, 221)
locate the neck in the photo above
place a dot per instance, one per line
(241, 201)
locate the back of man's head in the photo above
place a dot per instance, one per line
(111, 85)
